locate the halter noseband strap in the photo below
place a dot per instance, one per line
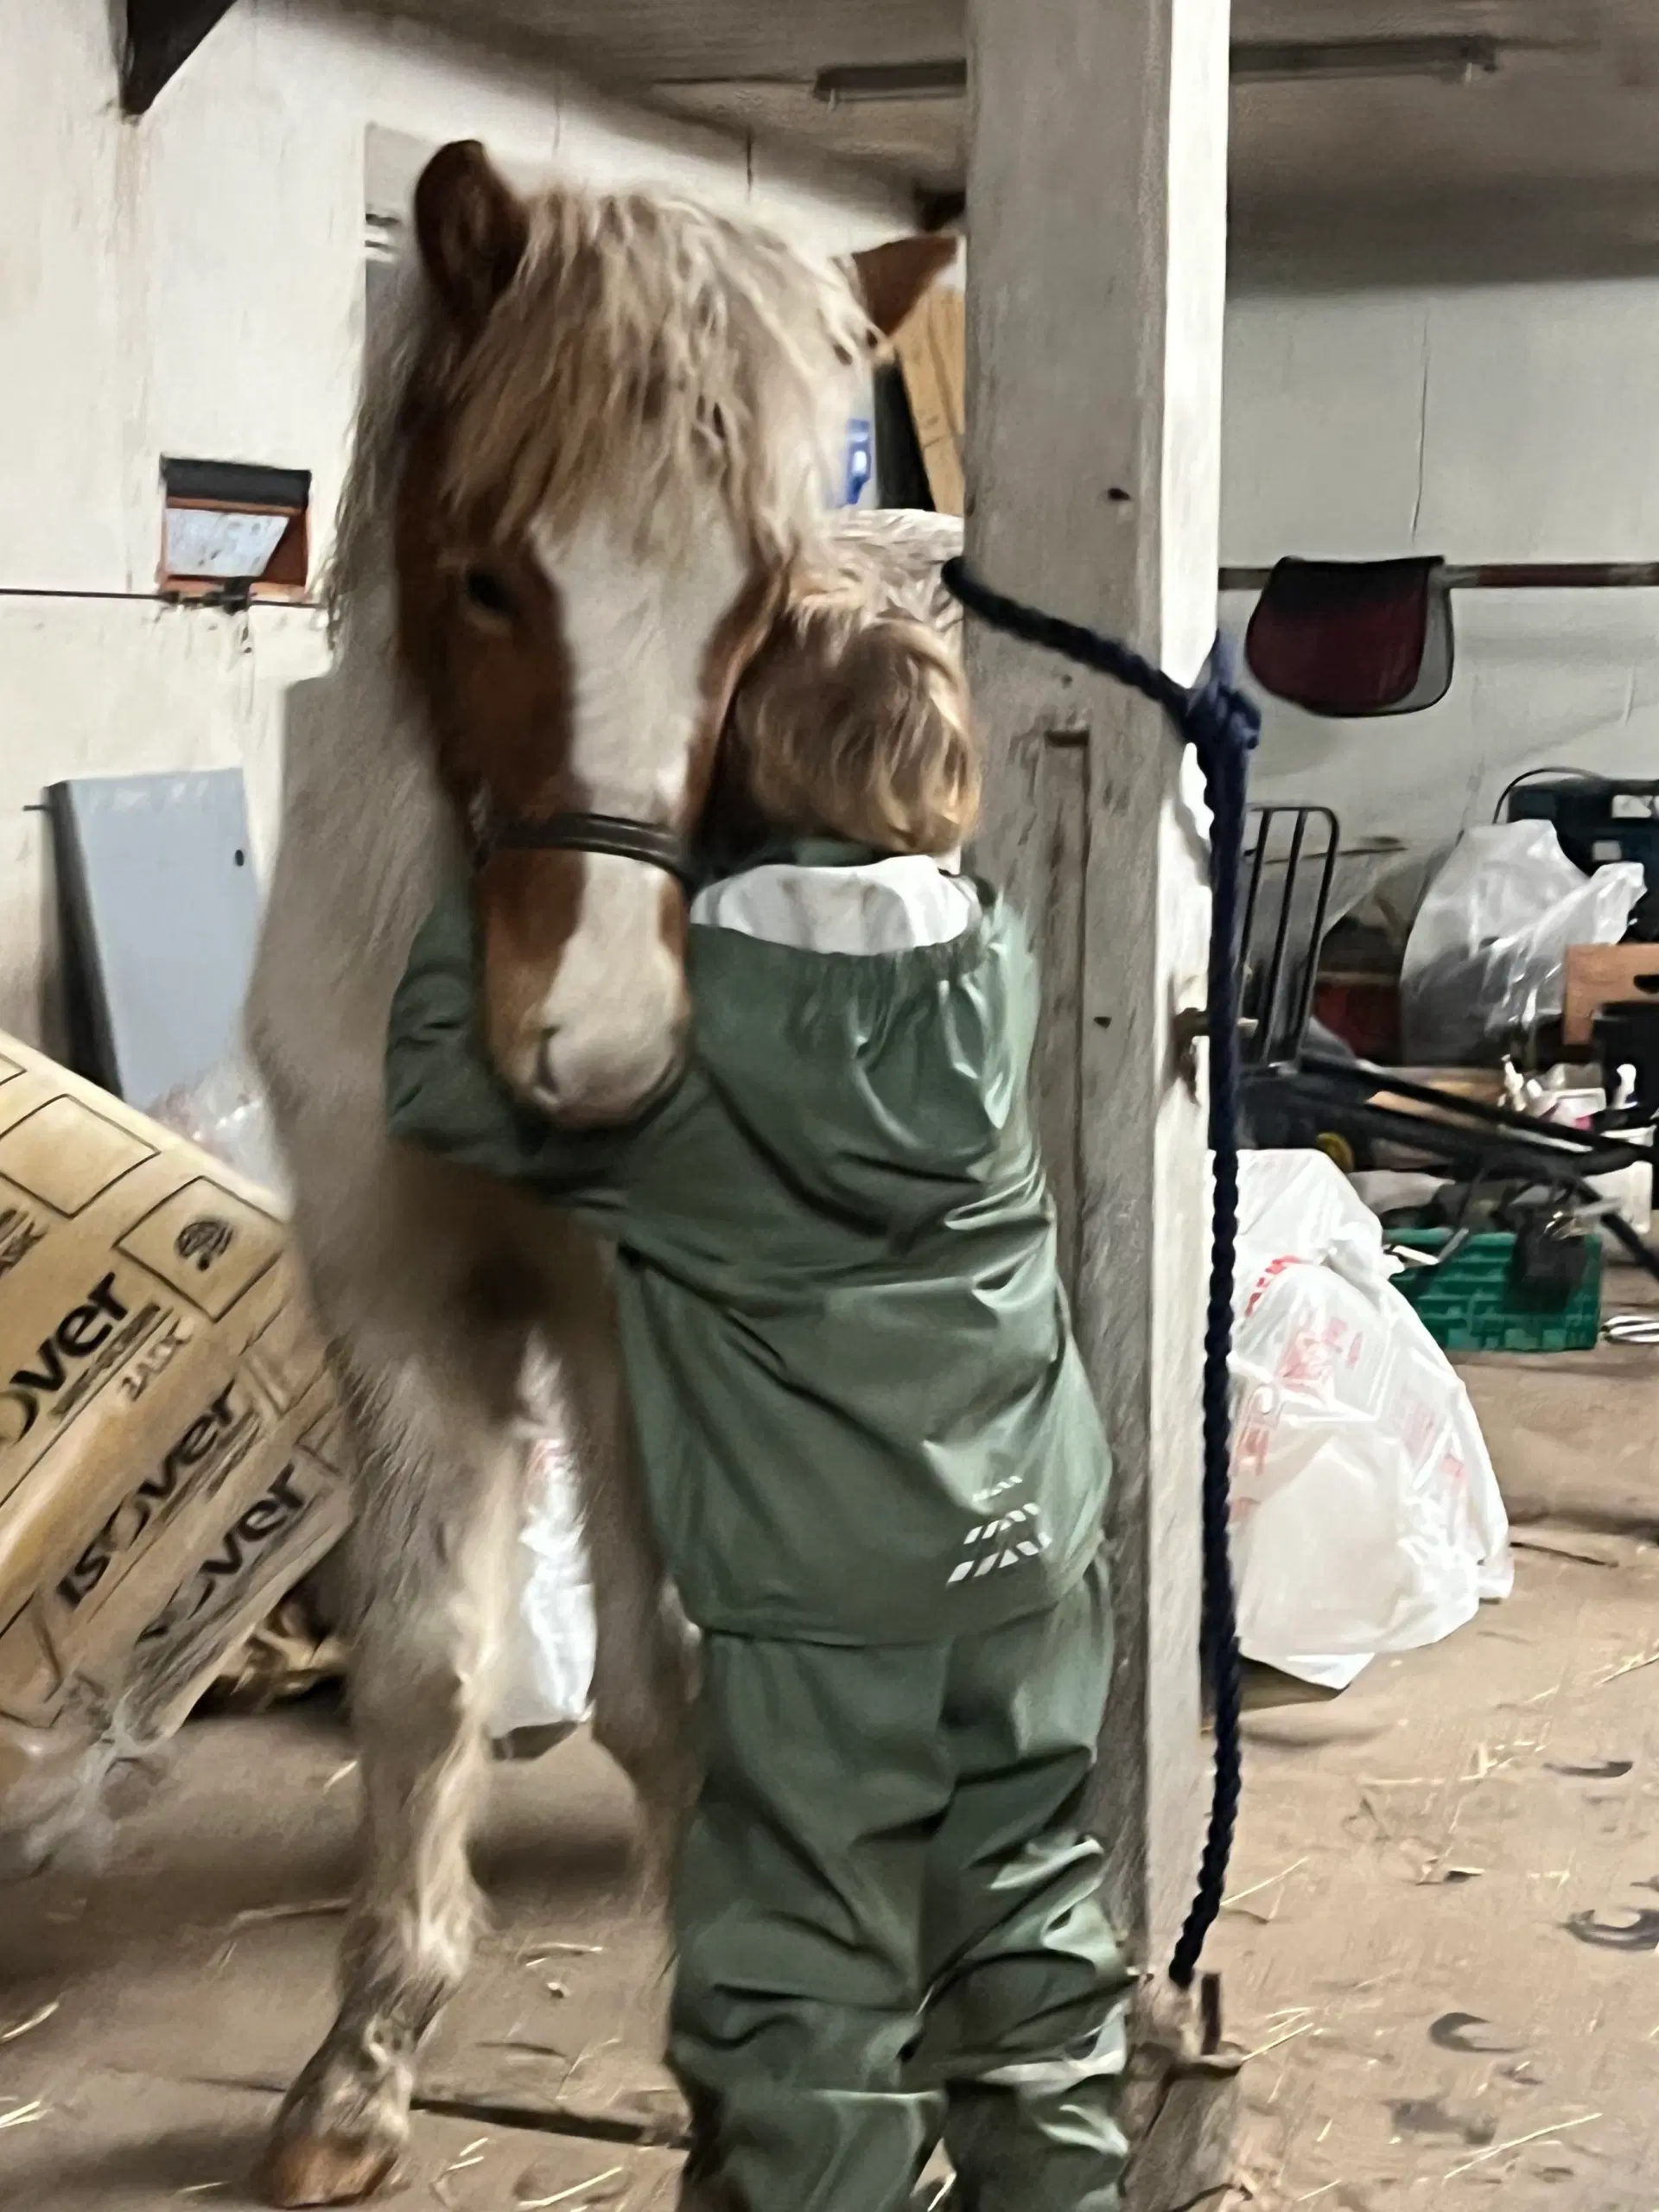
(572, 831)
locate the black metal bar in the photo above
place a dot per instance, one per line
(1247, 928)
(1255, 1043)
(1502, 575)
(213, 600)
(1554, 575)
(1358, 1075)
(236, 483)
(1282, 995)
(1322, 901)
(1534, 1158)
(1276, 961)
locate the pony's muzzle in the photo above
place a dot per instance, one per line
(589, 1016)
(603, 1082)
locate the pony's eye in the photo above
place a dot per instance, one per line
(486, 591)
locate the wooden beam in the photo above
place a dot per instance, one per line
(162, 35)
(1097, 138)
(1096, 282)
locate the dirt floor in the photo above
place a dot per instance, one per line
(1445, 1904)
(175, 1992)
(1440, 1944)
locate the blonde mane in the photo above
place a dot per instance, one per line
(644, 344)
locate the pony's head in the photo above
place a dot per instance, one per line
(610, 452)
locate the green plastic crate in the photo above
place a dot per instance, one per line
(1470, 1303)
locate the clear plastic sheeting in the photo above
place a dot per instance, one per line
(1487, 954)
(1366, 1516)
(225, 1113)
(547, 1673)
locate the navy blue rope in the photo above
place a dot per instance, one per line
(1222, 725)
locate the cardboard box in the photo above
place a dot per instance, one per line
(1605, 975)
(171, 1457)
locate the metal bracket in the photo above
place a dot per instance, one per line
(1188, 1025)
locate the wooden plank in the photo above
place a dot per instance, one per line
(930, 346)
(947, 329)
(1603, 974)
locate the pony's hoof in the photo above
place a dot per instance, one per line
(302, 2169)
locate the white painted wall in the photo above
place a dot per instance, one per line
(1508, 423)
(192, 283)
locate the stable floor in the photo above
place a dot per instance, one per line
(176, 1990)
(1440, 1946)
(1441, 1943)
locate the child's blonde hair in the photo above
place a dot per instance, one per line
(853, 721)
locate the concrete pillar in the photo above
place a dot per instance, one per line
(1097, 202)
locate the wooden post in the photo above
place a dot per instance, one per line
(1095, 269)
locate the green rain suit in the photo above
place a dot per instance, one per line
(879, 1477)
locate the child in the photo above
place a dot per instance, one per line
(879, 1477)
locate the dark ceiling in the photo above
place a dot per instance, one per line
(1544, 157)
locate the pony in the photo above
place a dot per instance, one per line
(586, 506)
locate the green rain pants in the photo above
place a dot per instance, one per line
(889, 1929)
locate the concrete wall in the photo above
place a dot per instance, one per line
(192, 284)
(1504, 423)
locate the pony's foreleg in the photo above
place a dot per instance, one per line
(644, 1684)
(439, 1487)
(645, 1658)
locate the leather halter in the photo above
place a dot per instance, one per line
(572, 831)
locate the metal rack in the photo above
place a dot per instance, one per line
(1292, 860)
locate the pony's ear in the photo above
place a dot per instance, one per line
(472, 229)
(893, 276)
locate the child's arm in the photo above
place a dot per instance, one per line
(443, 1094)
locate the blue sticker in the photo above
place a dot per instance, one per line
(860, 459)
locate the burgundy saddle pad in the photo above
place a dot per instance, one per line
(1351, 638)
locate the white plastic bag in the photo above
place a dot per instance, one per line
(1366, 1516)
(547, 1672)
(1488, 950)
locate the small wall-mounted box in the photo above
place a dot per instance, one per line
(233, 531)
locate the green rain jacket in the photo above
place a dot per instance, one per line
(861, 1411)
